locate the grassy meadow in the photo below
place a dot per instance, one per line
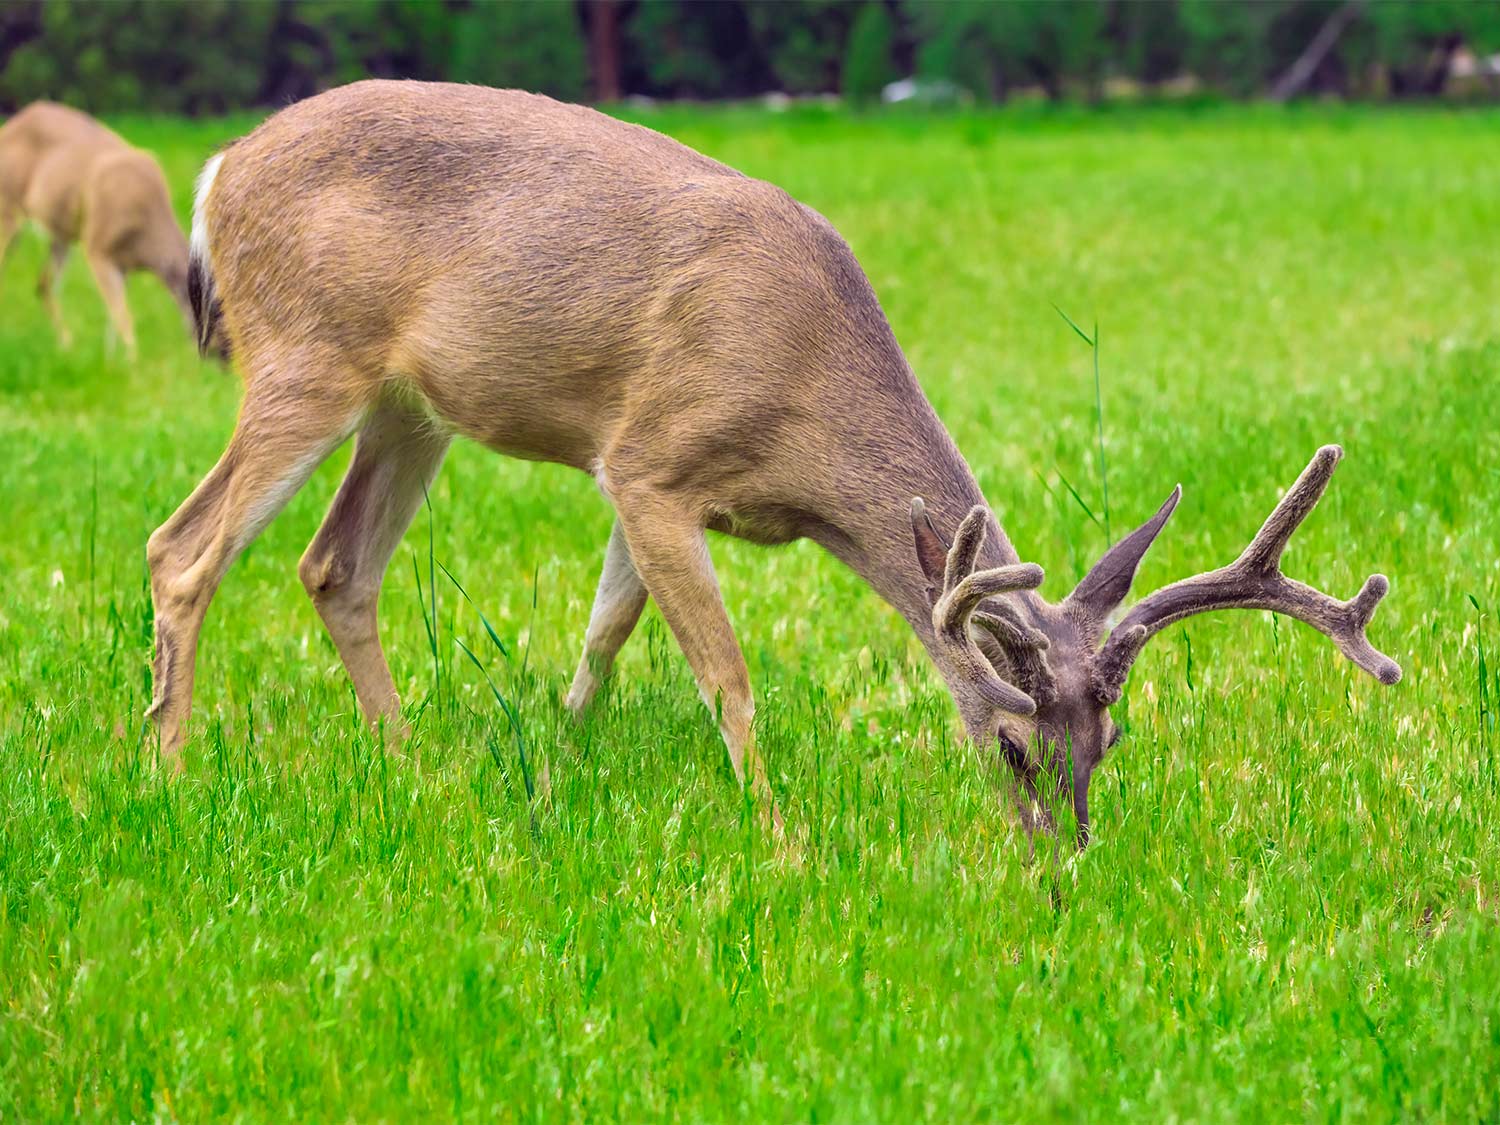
(1289, 910)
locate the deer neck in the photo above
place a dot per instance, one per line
(907, 453)
(170, 263)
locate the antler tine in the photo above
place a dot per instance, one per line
(965, 549)
(960, 602)
(1006, 626)
(1024, 647)
(963, 590)
(1265, 550)
(1254, 581)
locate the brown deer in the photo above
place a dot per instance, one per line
(404, 262)
(83, 183)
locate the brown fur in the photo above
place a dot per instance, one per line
(406, 261)
(82, 183)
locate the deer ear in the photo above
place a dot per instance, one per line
(932, 552)
(1105, 587)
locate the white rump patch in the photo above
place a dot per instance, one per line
(601, 478)
(198, 240)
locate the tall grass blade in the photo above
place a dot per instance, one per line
(1086, 509)
(1482, 695)
(1093, 343)
(1099, 414)
(416, 570)
(510, 714)
(437, 664)
(483, 620)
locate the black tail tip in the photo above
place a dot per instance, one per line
(208, 314)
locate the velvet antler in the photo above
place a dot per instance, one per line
(956, 609)
(1254, 581)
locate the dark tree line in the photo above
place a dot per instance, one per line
(207, 56)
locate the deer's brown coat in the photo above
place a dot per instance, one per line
(407, 261)
(82, 183)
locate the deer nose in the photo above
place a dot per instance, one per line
(1081, 777)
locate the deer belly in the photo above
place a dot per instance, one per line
(531, 415)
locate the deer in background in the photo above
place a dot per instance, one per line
(83, 183)
(405, 262)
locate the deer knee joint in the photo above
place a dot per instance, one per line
(158, 550)
(168, 568)
(324, 576)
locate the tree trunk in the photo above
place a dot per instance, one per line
(1436, 77)
(604, 49)
(1297, 76)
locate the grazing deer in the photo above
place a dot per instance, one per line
(404, 262)
(83, 183)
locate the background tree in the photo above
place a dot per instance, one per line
(206, 56)
(197, 58)
(530, 44)
(964, 43)
(603, 18)
(1150, 42)
(1413, 41)
(990, 49)
(868, 65)
(679, 48)
(803, 41)
(1227, 44)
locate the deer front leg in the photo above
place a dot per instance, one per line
(47, 286)
(272, 453)
(111, 282)
(617, 608)
(10, 225)
(671, 555)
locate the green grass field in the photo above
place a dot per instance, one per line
(1290, 907)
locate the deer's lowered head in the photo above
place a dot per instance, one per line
(1037, 680)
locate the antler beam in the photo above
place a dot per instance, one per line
(1254, 581)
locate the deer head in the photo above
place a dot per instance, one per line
(1038, 679)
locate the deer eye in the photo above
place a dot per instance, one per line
(1014, 752)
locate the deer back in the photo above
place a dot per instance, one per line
(556, 284)
(45, 151)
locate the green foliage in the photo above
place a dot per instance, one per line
(200, 56)
(1152, 42)
(867, 65)
(182, 58)
(993, 48)
(672, 40)
(683, 48)
(803, 40)
(1408, 37)
(1228, 44)
(958, 44)
(355, 39)
(1290, 906)
(527, 44)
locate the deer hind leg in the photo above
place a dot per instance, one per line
(671, 555)
(283, 434)
(47, 285)
(111, 282)
(396, 456)
(617, 608)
